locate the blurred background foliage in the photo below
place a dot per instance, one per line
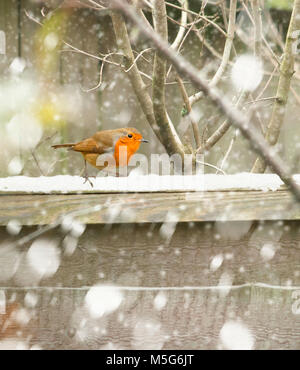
(280, 4)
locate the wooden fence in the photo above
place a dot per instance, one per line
(229, 257)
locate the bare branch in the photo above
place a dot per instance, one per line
(219, 133)
(198, 15)
(296, 96)
(212, 50)
(257, 27)
(138, 85)
(77, 50)
(232, 141)
(226, 53)
(276, 34)
(164, 130)
(181, 30)
(137, 58)
(266, 44)
(37, 163)
(224, 127)
(260, 100)
(211, 166)
(228, 44)
(170, 139)
(223, 9)
(100, 74)
(32, 18)
(141, 13)
(286, 74)
(97, 5)
(185, 97)
(182, 41)
(267, 83)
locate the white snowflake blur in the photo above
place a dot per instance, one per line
(247, 73)
(235, 335)
(101, 300)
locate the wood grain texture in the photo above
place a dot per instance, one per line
(190, 320)
(149, 207)
(143, 263)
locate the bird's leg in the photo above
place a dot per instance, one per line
(86, 176)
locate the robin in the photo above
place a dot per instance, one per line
(106, 148)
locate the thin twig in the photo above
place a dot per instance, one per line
(100, 74)
(296, 96)
(228, 150)
(212, 166)
(183, 22)
(97, 5)
(257, 27)
(185, 97)
(37, 163)
(267, 83)
(181, 43)
(196, 14)
(228, 44)
(147, 23)
(204, 42)
(267, 46)
(226, 53)
(137, 58)
(32, 18)
(260, 100)
(276, 34)
(223, 9)
(219, 133)
(74, 48)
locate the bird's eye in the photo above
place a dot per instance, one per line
(130, 136)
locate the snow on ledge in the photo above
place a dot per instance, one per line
(140, 183)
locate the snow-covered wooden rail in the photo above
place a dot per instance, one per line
(180, 268)
(39, 201)
(149, 207)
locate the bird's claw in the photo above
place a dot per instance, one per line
(86, 179)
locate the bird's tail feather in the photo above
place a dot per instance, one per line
(57, 146)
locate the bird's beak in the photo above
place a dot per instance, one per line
(144, 141)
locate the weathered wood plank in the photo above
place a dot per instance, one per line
(143, 255)
(141, 263)
(189, 320)
(150, 207)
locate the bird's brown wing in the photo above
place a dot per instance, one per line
(91, 146)
(108, 138)
(101, 142)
